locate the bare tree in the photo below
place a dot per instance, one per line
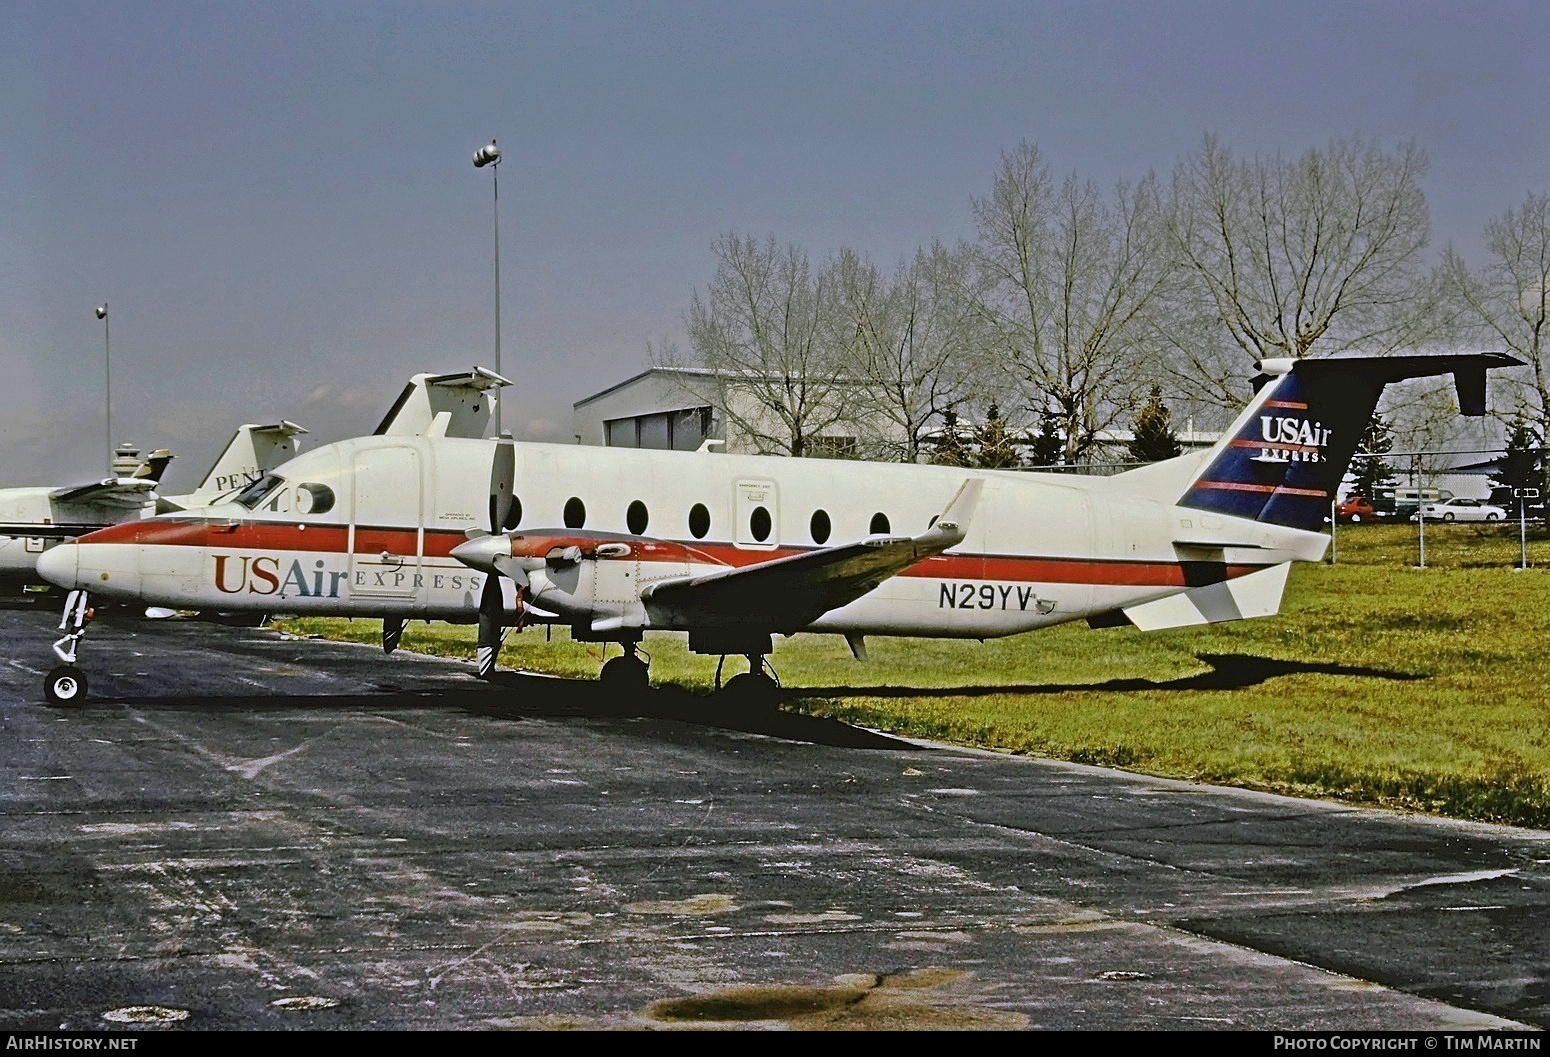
(1296, 258)
(764, 331)
(908, 343)
(1064, 280)
(1508, 301)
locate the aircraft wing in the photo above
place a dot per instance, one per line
(131, 493)
(47, 530)
(789, 593)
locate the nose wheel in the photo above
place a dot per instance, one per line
(64, 685)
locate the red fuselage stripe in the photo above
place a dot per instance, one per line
(1280, 489)
(334, 539)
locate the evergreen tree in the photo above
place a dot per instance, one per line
(1154, 438)
(1374, 471)
(1523, 463)
(1049, 447)
(995, 450)
(951, 450)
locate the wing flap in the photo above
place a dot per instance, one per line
(788, 593)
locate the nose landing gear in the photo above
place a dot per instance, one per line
(65, 684)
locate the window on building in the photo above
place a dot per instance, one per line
(833, 448)
(682, 430)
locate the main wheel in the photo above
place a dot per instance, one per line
(755, 692)
(1447, 517)
(628, 673)
(64, 686)
(1492, 517)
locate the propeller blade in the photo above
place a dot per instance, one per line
(503, 477)
(490, 614)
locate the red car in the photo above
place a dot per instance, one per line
(1355, 508)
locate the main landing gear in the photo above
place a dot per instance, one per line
(66, 685)
(628, 673)
(756, 690)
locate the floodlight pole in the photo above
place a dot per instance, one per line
(491, 156)
(1523, 532)
(107, 370)
(1334, 523)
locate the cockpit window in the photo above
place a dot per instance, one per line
(259, 490)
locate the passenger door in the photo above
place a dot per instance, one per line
(386, 523)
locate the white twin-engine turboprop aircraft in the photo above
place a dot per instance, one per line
(426, 520)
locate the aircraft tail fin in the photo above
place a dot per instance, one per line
(253, 451)
(1282, 460)
(467, 401)
(154, 466)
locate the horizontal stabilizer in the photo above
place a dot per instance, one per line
(130, 493)
(1256, 595)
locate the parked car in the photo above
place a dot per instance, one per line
(1402, 503)
(1355, 508)
(1462, 510)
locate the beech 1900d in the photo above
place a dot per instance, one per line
(426, 520)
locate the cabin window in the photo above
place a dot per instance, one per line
(880, 525)
(820, 527)
(699, 521)
(575, 513)
(636, 518)
(314, 499)
(759, 523)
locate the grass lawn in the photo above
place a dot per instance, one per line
(1378, 682)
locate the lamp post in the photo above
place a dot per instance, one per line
(107, 369)
(491, 155)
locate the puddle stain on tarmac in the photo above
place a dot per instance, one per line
(928, 999)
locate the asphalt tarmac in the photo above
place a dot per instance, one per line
(243, 831)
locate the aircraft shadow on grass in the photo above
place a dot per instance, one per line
(1228, 671)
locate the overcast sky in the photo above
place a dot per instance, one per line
(277, 200)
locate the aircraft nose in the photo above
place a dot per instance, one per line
(61, 565)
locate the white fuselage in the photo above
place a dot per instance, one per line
(365, 527)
